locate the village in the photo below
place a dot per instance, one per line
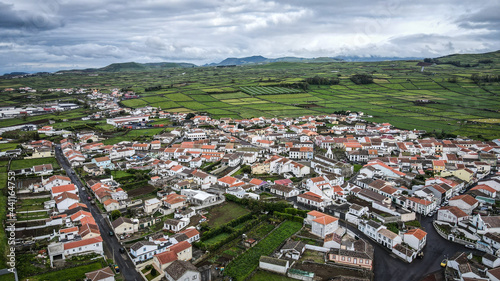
(208, 199)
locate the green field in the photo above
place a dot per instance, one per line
(458, 105)
(243, 265)
(262, 275)
(28, 163)
(70, 274)
(224, 213)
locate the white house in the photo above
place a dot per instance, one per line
(151, 205)
(451, 214)
(175, 225)
(86, 246)
(415, 238)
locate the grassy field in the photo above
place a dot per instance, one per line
(70, 274)
(458, 104)
(28, 163)
(224, 213)
(262, 275)
(243, 265)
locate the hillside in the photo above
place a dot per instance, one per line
(441, 98)
(132, 67)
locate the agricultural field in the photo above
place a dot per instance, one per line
(457, 104)
(28, 163)
(241, 267)
(224, 213)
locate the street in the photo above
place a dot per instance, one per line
(111, 244)
(388, 267)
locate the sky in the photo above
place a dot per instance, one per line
(51, 35)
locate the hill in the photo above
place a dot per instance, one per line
(262, 60)
(132, 67)
(471, 59)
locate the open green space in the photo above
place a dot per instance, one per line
(241, 267)
(224, 213)
(262, 275)
(28, 163)
(70, 274)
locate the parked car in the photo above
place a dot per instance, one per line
(122, 250)
(111, 233)
(470, 246)
(444, 262)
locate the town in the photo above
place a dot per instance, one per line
(308, 198)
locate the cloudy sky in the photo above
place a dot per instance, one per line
(49, 35)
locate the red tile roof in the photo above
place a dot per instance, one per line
(85, 242)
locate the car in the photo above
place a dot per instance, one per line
(122, 250)
(117, 269)
(470, 246)
(92, 202)
(111, 233)
(444, 262)
(89, 198)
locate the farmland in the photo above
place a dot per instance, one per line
(244, 264)
(458, 105)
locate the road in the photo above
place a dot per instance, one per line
(127, 267)
(388, 267)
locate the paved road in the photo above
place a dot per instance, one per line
(127, 267)
(387, 267)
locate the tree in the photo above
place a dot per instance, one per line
(115, 214)
(362, 79)
(190, 115)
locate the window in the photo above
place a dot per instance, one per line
(360, 260)
(367, 261)
(343, 258)
(348, 259)
(195, 277)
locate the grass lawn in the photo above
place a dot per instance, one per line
(7, 277)
(266, 275)
(216, 239)
(28, 163)
(317, 257)
(224, 213)
(75, 273)
(8, 146)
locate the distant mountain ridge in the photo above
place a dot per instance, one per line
(494, 57)
(132, 67)
(261, 60)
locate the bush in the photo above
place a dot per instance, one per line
(362, 79)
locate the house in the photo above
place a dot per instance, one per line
(70, 188)
(451, 214)
(174, 200)
(415, 238)
(103, 162)
(55, 181)
(111, 205)
(44, 169)
(199, 197)
(182, 270)
(494, 274)
(86, 246)
(175, 225)
(361, 254)
(151, 205)
(274, 264)
(103, 274)
(419, 205)
(164, 259)
(293, 249)
(144, 250)
(192, 234)
(388, 238)
(283, 190)
(311, 199)
(124, 225)
(65, 199)
(465, 202)
(324, 225)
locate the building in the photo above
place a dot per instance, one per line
(274, 264)
(182, 270)
(415, 238)
(124, 225)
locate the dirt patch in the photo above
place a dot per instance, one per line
(141, 190)
(328, 271)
